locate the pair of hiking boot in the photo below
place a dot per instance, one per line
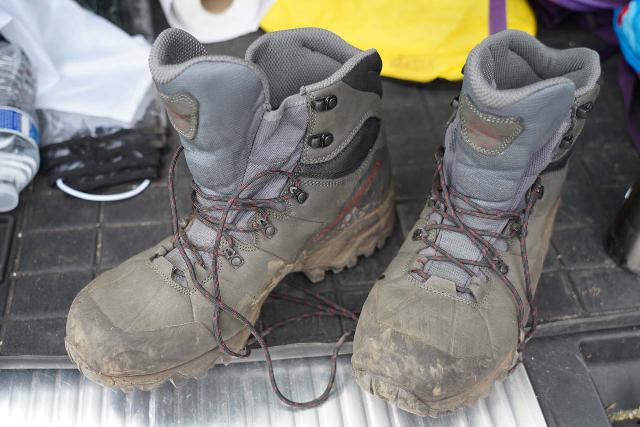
(291, 173)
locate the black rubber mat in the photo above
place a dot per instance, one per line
(587, 379)
(6, 232)
(59, 244)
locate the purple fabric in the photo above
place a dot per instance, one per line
(598, 21)
(587, 5)
(497, 16)
(549, 13)
(627, 80)
(552, 12)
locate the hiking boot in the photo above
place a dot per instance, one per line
(449, 315)
(290, 174)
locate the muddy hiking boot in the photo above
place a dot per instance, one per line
(290, 174)
(453, 309)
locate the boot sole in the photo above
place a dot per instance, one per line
(336, 253)
(396, 394)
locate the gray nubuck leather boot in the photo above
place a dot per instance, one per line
(291, 173)
(449, 315)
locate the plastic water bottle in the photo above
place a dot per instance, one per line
(19, 135)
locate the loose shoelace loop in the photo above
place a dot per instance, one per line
(225, 205)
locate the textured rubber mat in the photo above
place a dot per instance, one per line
(6, 233)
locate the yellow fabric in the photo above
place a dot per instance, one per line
(417, 40)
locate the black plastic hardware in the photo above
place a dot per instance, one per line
(582, 110)
(325, 103)
(320, 140)
(566, 142)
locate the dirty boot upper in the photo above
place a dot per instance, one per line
(290, 173)
(449, 315)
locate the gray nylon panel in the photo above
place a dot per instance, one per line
(497, 178)
(231, 105)
(278, 145)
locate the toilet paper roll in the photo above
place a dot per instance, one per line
(215, 20)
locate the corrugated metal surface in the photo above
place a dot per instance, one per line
(239, 395)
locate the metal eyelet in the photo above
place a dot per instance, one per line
(233, 257)
(421, 234)
(300, 195)
(539, 188)
(267, 228)
(584, 109)
(501, 266)
(176, 272)
(455, 101)
(567, 142)
(516, 227)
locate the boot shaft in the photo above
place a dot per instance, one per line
(520, 110)
(296, 97)
(521, 103)
(303, 102)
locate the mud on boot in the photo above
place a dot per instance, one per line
(290, 173)
(452, 311)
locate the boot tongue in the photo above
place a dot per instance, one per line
(491, 152)
(496, 147)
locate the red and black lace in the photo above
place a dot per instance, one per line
(442, 201)
(216, 214)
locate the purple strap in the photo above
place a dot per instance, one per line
(627, 81)
(497, 16)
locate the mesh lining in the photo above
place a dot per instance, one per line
(172, 48)
(176, 47)
(511, 65)
(292, 59)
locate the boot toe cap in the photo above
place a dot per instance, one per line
(129, 322)
(425, 351)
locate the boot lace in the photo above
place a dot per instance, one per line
(224, 245)
(441, 200)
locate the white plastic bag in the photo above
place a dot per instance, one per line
(83, 63)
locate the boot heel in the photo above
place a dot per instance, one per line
(340, 247)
